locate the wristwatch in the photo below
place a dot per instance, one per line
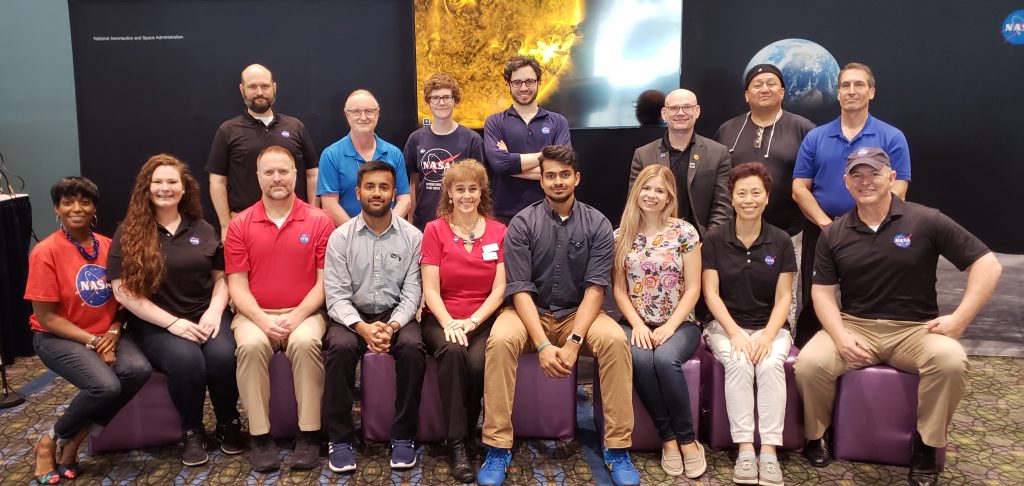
(576, 338)
(92, 344)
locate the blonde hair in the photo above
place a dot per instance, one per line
(465, 170)
(629, 225)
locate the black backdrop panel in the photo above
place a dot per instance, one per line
(143, 96)
(945, 77)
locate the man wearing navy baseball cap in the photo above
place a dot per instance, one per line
(882, 256)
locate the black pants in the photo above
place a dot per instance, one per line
(193, 368)
(807, 323)
(460, 374)
(342, 349)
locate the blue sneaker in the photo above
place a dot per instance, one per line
(341, 457)
(492, 472)
(403, 454)
(623, 472)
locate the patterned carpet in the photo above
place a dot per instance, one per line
(985, 447)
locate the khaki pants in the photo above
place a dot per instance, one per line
(904, 345)
(605, 341)
(253, 352)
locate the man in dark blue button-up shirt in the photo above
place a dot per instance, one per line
(558, 262)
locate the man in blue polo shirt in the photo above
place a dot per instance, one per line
(513, 139)
(339, 163)
(818, 186)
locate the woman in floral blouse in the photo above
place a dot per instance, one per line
(656, 286)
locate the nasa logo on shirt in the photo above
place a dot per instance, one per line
(546, 130)
(769, 260)
(901, 240)
(92, 286)
(285, 134)
(194, 240)
(304, 238)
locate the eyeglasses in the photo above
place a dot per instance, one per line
(435, 100)
(518, 83)
(367, 112)
(684, 109)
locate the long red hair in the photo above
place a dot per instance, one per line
(143, 260)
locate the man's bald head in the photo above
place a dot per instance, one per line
(362, 112)
(259, 91)
(681, 110)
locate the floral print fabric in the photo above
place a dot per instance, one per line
(654, 271)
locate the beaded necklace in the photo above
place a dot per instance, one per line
(86, 255)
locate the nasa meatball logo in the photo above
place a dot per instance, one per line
(862, 152)
(769, 260)
(92, 285)
(304, 238)
(1013, 28)
(902, 240)
(285, 134)
(194, 240)
(434, 162)
(545, 130)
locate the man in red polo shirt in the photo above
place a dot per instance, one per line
(274, 258)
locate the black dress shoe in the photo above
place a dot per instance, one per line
(924, 471)
(458, 461)
(816, 452)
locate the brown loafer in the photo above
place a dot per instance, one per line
(695, 466)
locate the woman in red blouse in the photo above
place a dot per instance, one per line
(463, 285)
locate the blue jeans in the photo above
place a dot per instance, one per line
(104, 388)
(659, 380)
(191, 368)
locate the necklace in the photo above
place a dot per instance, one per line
(469, 230)
(86, 255)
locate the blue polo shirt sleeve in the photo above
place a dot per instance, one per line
(518, 259)
(328, 180)
(806, 165)
(602, 253)
(561, 125)
(899, 155)
(397, 159)
(500, 161)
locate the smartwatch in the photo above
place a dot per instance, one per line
(576, 338)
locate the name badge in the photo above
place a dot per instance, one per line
(490, 255)
(492, 248)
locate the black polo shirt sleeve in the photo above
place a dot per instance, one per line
(518, 258)
(955, 243)
(310, 157)
(602, 253)
(115, 256)
(217, 161)
(825, 272)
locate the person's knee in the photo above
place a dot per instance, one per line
(505, 343)
(950, 362)
(667, 361)
(451, 352)
(738, 367)
(609, 342)
(106, 389)
(253, 348)
(304, 345)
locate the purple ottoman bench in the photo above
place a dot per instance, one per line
(719, 433)
(645, 434)
(875, 415)
(148, 419)
(544, 408)
(378, 400)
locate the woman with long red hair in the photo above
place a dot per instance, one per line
(167, 269)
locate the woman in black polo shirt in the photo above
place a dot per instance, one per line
(748, 275)
(167, 268)
(656, 283)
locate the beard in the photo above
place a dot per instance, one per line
(373, 212)
(559, 199)
(260, 108)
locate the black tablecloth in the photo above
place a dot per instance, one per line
(15, 231)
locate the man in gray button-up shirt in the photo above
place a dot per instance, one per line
(558, 262)
(372, 283)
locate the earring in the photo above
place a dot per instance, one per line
(95, 220)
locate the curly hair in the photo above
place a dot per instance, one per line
(143, 259)
(465, 170)
(515, 63)
(442, 81)
(750, 169)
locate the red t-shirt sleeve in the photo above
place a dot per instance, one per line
(42, 283)
(326, 226)
(431, 246)
(236, 258)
